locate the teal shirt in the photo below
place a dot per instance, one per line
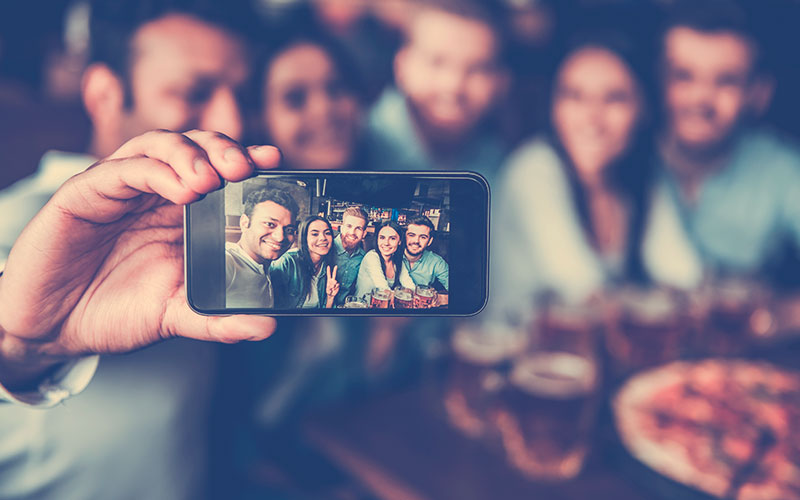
(430, 267)
(347, 266)
(748, 208)
(287, 277)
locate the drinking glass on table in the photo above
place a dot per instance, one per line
(482, 351)
(547, 408)
(735, 312)
(381, 298)
(353, 302)
(424, 297)
(403, 298)
(645, 327)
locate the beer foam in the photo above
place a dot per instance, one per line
(651, 306)
(559, 375)
(481, 347)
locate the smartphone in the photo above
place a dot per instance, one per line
(340, 243)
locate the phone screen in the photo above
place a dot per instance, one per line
(329, 243)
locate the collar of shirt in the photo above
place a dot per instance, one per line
(239, 251)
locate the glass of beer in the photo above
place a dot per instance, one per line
(381, 298)
(734, 310)
(424, 297)
(482, 352)
(646, 327)
(548, 407)
(353, 302)
(404, 298)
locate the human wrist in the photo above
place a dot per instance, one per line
(22, 365)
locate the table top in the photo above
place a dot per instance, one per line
(401, 449)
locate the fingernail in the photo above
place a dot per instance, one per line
(234, 155)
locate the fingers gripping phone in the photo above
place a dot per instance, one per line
(340, 243)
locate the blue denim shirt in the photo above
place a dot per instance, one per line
(430, 267)
(288, 276)
(347, 266)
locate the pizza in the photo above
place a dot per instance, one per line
(730, 428)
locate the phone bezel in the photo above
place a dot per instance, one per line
(204, 243)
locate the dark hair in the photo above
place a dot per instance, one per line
(421, 220)
(278, 196)
(716, 16)
(113, 25)
(301, 31)
(630, 176)
(397, 257)
(305, 256)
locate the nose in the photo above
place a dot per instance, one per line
(451, 81)
(222, 114)
(277, 234)
(319, 105)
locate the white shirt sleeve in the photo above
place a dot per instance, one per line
(405, 278)
(69, 380)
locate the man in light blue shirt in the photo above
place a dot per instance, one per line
(349, 250)
(449, 76)
(425, 267)
(737, 187)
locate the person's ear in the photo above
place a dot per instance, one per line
(103, 96)
(244, 222)
(760, 94)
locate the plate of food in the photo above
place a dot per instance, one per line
(727, 428)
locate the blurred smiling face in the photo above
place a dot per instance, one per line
(708, 85)
(265, 235)
(449, 71)
(309, 113)
(185, 74)
(596, 107)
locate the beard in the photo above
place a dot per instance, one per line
(417, 253)
(350, 243)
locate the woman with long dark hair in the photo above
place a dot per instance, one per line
(383, 267)
(305, 277)
(577, 204)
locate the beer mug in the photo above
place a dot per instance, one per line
(353, 302)
(424, 297)
(403, 298)
(548, 407)
(481, 354)
(645, 328)
(381, 298)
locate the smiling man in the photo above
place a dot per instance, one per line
(349, 250)
(266, 224)
(425, 267)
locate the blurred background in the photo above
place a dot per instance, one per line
(641, 340)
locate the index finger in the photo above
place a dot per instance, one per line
(333, 273)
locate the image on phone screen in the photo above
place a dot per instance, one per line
(338, 243)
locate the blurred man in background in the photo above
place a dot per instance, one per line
(738, 184)
(450, 76)
(139, 429)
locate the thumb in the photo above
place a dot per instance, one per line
(265, 157)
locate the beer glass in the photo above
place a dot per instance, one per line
(353, 302)
(381, 298)
(404, 298)
(481, 355)
(548, 406)
(735, 313)
(424, 297)
(646, 327)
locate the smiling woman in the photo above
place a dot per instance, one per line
(306, 277)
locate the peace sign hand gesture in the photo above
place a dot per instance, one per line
(332, 286)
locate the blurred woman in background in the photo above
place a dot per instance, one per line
(575, 203)
(310, 101)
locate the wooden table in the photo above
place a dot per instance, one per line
(401, 450)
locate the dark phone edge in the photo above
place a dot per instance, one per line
(330, 312)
